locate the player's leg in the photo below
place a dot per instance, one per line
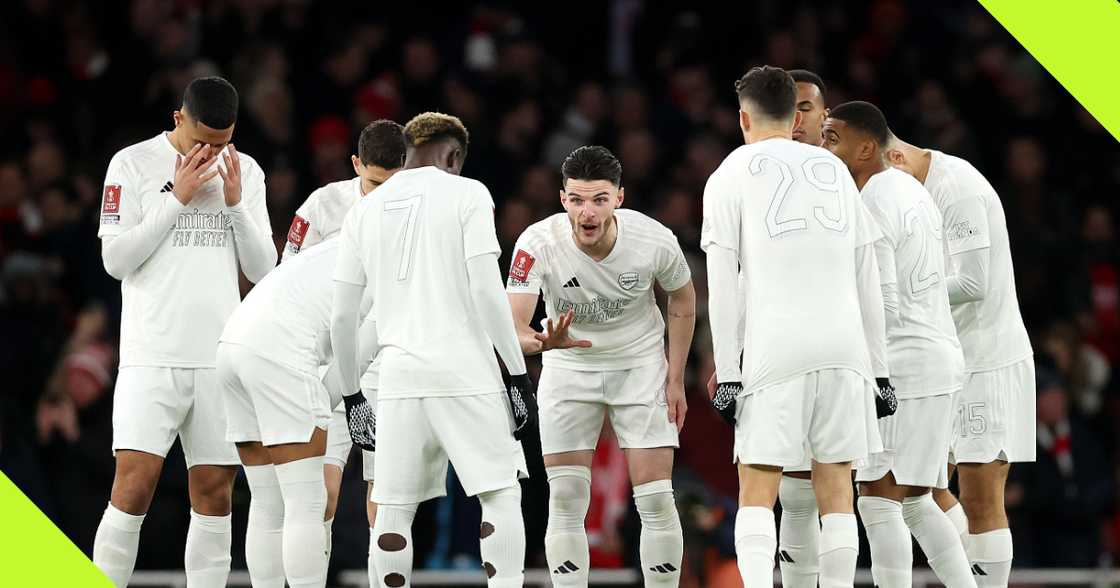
(938, 539)
(755, 531)
(799, 534)
(334, 462)
(880, 508)
(212, 463)
(952, 508)
(475, 431)
(264, 532)
(571, 412)
(411, 467)
(147, 412)
(989, 545)
(639, 415)
(299, 469)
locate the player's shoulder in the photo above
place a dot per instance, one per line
(956, 178)
(640, 224)
(248, 163)
(340, 190)
(546, 232)
(139, 153)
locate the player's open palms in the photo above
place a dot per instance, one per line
(231, 176)
(556, 335)
(191, 171)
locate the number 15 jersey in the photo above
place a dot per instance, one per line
(408, 243)
(793, 216)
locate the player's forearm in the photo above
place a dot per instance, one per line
(970, 283)
(888, 282)
(891, 312)
(724, 312)
(344, 334)
(123, 253)
(871, 309)
(681, 314)
(368, 346)
(494, 311)
(523, 307)
(255, 251)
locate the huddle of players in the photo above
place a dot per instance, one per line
(858, 293)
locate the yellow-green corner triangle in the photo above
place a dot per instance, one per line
(1077, 41)
(34, 553)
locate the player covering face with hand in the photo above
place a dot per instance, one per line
(596, 266)
(924, 356)
(424, 250)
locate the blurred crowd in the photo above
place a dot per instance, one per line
(653, 82)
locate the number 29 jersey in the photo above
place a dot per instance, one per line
(793, 216)
(408, 243)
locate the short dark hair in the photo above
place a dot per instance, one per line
(434, 126)
(769, 88)
(212, 101)
(865, 117)
(804, 76)
(382, 144)
(592, 162)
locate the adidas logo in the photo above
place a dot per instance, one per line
(167, 187)
(978, 571)
(783, 555)
(572, 283)
(665, 568)
(566, 568)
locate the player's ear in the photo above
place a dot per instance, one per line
(357, 163)
(621, 196)
(895, 157)
(177, 116)
(744, 121)
(798, 116)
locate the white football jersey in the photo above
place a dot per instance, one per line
(408, 242)
(922, 349)
(320, 216)
(613, 299)
(286, 317)
(991, 330)
(173, 307)
(793, 216)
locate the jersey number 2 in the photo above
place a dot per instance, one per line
(406, 233)
(779, 226)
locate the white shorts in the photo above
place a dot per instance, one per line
(339, 444)
(995, 416)
(267, 401)
(827, 416)
(416, 437)
(572, 406)
(153, 405)
(915, 443)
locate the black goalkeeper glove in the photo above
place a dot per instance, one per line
(361, 420)
(725, 400)
(885, 401)
(523, 402)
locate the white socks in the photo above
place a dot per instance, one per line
(960, 522)
(991, 554)
(264, 535)
(393, 550)
(839, 549)
(799, 534)
(114, 546)
(305, 502)
(502, 537)
(939, 541)
(892, 558)
(207, 558)
(565, 541)
(755, 542)
(662, 541)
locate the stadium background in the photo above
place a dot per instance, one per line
(79, 80)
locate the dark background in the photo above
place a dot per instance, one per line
(80, 80)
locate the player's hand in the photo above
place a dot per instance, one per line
(191, 171)
(885, 401)
(556, 334)
(361, 420)
(523, 402)
(725, 400)
(231, 176)
(712, 386)
(678, 406)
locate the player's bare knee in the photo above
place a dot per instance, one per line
(211, 489)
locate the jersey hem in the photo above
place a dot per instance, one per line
(998, 366)
(782, 379)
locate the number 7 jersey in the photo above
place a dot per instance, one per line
(408, 243)
(793, 216)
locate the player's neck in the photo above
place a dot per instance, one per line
(175, 138)
(921, 169)
(863, 176)
(768, 133)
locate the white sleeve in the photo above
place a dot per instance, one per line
(368, 345)
(966, 224)
(493, 309)
(726, 299)
(970, 282)
(344, 335)
(871, 309)
(348, 266)
(528, 268)
(720, 225)
(124, 252)
(887, 219)
(480, 236)
(252, 233)
(304, 230)
(672, 266)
